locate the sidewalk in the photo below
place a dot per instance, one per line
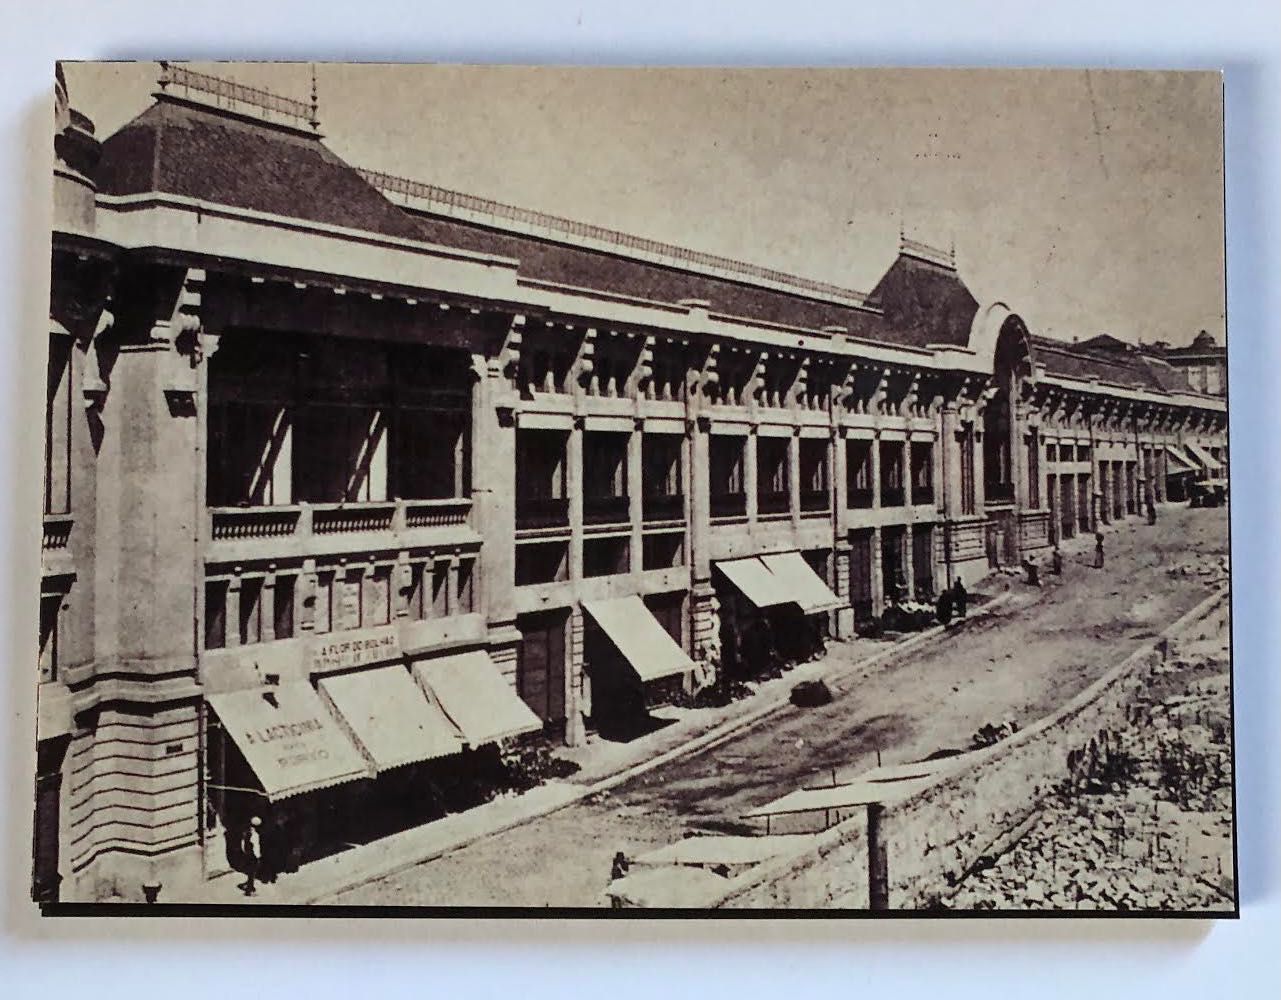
(603, 764)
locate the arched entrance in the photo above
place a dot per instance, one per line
(1004, 486)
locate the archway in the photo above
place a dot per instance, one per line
(1003, 480)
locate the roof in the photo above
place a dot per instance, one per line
(545, 259)
(214, 155)
(1120, 367)
(925, 301)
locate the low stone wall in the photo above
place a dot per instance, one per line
(924, 841)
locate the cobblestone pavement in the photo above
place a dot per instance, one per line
(1030, 657)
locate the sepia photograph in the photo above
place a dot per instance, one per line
(495, 489)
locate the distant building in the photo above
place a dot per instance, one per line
(348, 477)
(1204, 362)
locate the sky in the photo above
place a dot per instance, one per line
(1088, 202)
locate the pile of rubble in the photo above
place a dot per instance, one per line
(1143, 818)
(1212, 569)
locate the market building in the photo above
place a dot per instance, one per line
(350, 478)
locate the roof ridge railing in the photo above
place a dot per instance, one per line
(454, 201)
(947, 258)
(233, 93)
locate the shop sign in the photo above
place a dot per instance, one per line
(355, 649)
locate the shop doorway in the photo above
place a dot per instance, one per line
(540, 666)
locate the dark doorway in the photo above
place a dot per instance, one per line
(923, 561)
(540, 666)
(44, 876)
(861, 574)
(893, 576)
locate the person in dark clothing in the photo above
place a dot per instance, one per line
(1033, 573)
(1098, 549)
(943, 607)
(1151, 511)
(251, 854)
(617, 870)
(959, 597)
(1056, 562)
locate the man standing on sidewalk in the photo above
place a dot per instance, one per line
(1098, 548)
(959, 597)
(251, 852)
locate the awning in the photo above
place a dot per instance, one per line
(472, 693)
(390, 718)
(1202, 456)
(1182, 462)
(757, 583)
(289, 739)
(800, 581)
(643, 642)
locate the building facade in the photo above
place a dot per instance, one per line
(349, 478)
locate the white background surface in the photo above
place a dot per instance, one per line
(793, 959)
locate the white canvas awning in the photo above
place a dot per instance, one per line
(644, 643)
(472, 693)
(1204, 458)
(754, 579)
(289, 739)
(798, 579)
(1181, 461)
(390, 718)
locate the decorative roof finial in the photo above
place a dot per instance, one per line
(951, 251)
(315, 106)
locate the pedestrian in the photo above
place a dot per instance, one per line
(959, 597)
(1151, 511)
(251, 854)
(943, 607)
(1056, 562)
(1033, 573)
(1098, 548)
(617, 871)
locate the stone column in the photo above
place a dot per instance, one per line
(493, 487)
(876, 470)
(750, 473)
(635, 490)
(574, 491)
(794, 476)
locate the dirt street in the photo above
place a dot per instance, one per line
(1031, 656)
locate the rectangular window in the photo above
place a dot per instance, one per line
(339, 454)
(418, 600)
(1051, 453)
(858, 473)
(605, 478)
(324, 611)
(922, 472)
(540, 479)
(968, 499)
(283, 607)
(815, 485)
(725, 461)
(250, 611)
(663, 551)
(247, 442)
(773, 494)
(50, 613)
(606, 556)
(430, 454)
(1082, 452)
(1034, 469)
(466, 586)
(376, 599)
(440, 589)
(57, 428)
(892, 494)
(215, 614)
(542, 562)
